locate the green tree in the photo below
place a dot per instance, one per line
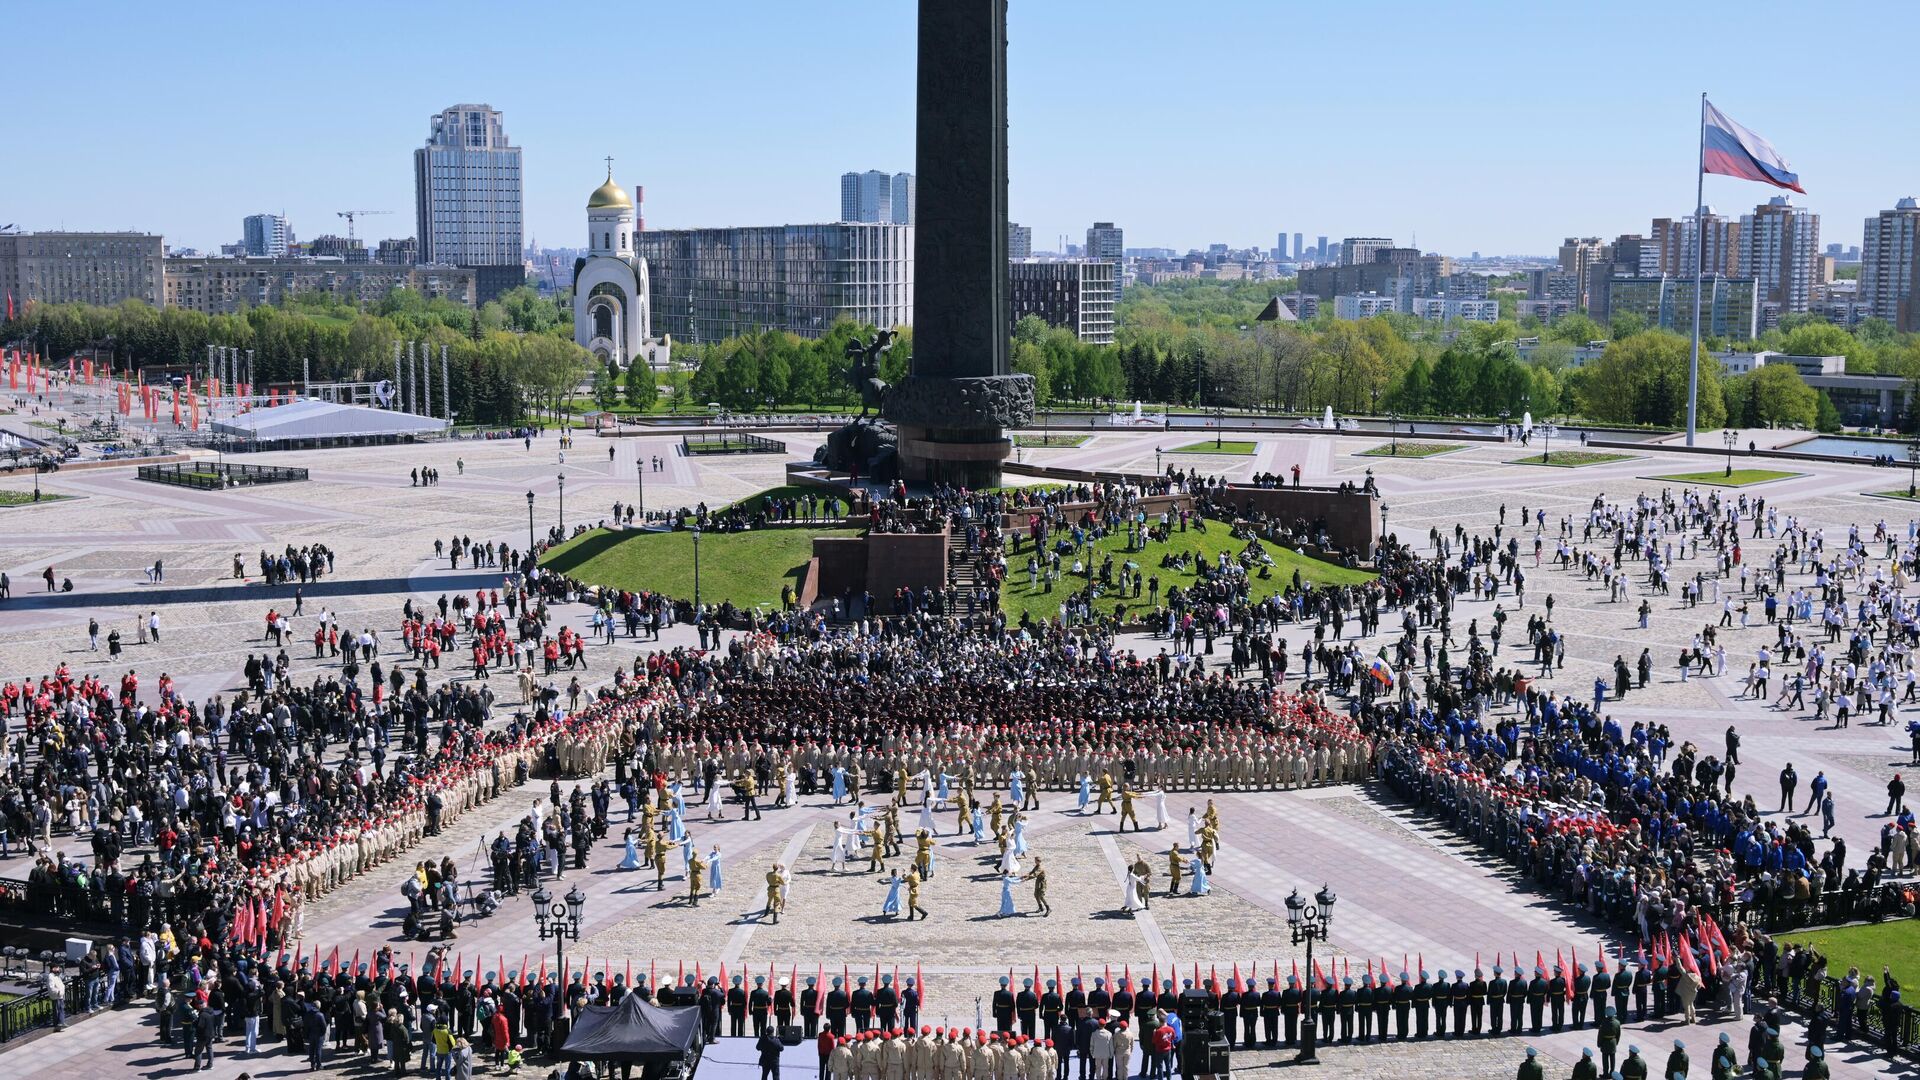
(1642, 379)
(1826, 417)
(1780, 397)
(606, 386)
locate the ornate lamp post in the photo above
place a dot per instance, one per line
(558, 920)
(1731, 438)
(1393, 430)
(640, 478)
(530, 543)
(1913, 463)
(1157, 470)
(1546, 450)
(563, 506)
(1308, 923)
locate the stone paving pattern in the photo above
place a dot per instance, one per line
(1405, 888)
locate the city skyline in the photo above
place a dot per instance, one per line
(1283, 137)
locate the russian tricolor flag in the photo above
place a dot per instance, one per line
(1727, 149)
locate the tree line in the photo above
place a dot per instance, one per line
(513, 356)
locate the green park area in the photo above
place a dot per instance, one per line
(1894, 945)
(1737, 478)
(1017, 597)
(747, 568)
(1209, 446)
(1570, 459)
(1411, 449)
(9, 497)
(1044, 441)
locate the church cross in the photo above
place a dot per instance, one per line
(609, 167)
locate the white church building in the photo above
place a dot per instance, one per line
(610, 316)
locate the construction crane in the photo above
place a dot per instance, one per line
(351, 214)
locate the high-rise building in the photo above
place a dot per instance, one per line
(1578, 256)
(708, 284)
(877, 197)
(264, 234)
(1019, 241)
(1105, 241)
(1299, 248)
(1731, 307)
(101, 268)
(1280, 246)
(222, 285)
(1677, 242)
(1358, 250)
(1077, 294)
(401, 252)
(903, 196)
(1320, 250)
(329, 246)
(1887, 271)
(467, 198)
(1362, 305)
(1780, 249)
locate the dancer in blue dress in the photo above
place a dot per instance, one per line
(713, 869)
(1086, 792)
(839, 785)
(1019, 836)
(891, 905)
(1006, 893)
(631, 861)
(1017, 788)
(979, 825)
(676, 825)
(1198, 886)
(946, 789)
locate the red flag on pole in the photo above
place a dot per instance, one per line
(1687, 962)
(501, 969)
(921, 982)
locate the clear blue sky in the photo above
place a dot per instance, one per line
(1497, 127)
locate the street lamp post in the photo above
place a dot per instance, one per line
(696, 569)
(1913, 463)
(530, 543)
(1157, 470)
(1308, 924)
(1731, 438)
(1393, 431)
(1384, 511)
(563, 506)
(1546, 445)
(558, 920)
(640, 478)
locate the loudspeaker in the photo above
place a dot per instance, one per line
(790, 1035)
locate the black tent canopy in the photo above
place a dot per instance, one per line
(636, 1030)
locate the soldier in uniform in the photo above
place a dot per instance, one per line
(1347, 1000)
(1537, 998)
(1672, 972)
(1271, 1001)
(910, 1003)
(1607, 1035)
(1026, 1006)
(1422, 1000)
(1327, 996)
(1402, 1001)
(1602, 986)
(1050, 1005)
(1249, 1016)
(1642, 979)
(1442, 998)
(737, 1009)
(1557, 997)
(1290, 1000)
(1363, 1008)
(783, 1002)
(1497, 1000)
(861, 1004)
(1228, 1003)
(1582, 993)
(1003, 1006)
(837, 1003)
(776, 898)
(1144, 1003)
(1462, 996)
(1477, 1001)
(810, 1009)
(760, 1005)
(1516, 997)
(887, 1002)
(1076, 1000)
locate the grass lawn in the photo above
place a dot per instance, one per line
(1571, 459)
(1719, 477)
(1208, 446)
(9, 497)
(1017, 597)
(1900, 493)
(1894, 945)
(1412, 449)
(747, 568)
(1034, 442)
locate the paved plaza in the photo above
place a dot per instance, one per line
(1407, 887)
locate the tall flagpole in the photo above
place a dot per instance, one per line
(1699, 261)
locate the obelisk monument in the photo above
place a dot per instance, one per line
(961, 394)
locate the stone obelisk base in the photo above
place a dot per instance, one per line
(953, 430)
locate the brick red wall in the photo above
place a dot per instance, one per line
(1352, 520)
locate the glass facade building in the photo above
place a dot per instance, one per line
(708, 284)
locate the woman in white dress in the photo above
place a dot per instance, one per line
(926, 819)
(1193, 829)
(713, 801)
(1130, 900)
(789, 793)
(1159, 808)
